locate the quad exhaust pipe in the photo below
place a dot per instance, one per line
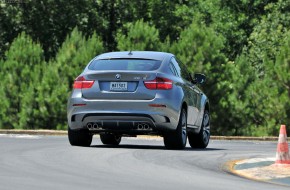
(96, 126)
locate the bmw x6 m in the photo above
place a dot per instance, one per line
(138, 93)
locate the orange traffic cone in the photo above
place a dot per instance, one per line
(282, 155)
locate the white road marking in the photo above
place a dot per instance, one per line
(20, 136)
(256, 160)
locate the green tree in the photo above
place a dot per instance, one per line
(282, 65)
(229, 108)
(49, 21)
(10, 18)
(141, 36)
(251, 105)
(236, 20)
(52, 96)
(5, 103)
(58, 77)
(267, 107)
(117, 14)
(257, 102)
(19, 74)
(267, 37)
(164, 18)
(199, 47)
(281, 76)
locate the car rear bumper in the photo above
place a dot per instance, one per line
(126, 123)
(124, 117)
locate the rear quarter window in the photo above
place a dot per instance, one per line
(125, 64)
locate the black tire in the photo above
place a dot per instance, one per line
(79, 137)
(201, 139)
(110, 139)
(177, 139)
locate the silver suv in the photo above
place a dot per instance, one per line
(138, 93)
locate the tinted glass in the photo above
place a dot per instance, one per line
(184, 71)
(172, 69)
(125, 64)
(176, 66)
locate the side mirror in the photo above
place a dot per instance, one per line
(199, 78)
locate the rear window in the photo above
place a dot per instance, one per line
(125, 64)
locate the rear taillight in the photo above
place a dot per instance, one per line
(81, 83)
(159, 84)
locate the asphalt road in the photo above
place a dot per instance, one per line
(49, 162)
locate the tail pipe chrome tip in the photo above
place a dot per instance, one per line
(95, 126)
(146, 126)
(89, 126)
(140, 126)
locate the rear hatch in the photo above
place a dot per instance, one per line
(121, 79)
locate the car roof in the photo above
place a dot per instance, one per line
(135, 54)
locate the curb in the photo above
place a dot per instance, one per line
(33, 132)
(64, 132)
(260, 169)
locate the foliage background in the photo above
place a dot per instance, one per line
(242, 46)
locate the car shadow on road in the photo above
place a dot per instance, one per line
(152, 147)
(203, 149)
(126, 146)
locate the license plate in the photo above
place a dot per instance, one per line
(118, 86)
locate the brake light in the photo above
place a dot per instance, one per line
(80, 83)
(159, 84)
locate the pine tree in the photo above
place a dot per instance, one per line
(282, 77)
(199, 47)
(74, 54)
(141, 36)
(228, 100)
(5, 102)
(268, 35)
(21, 71)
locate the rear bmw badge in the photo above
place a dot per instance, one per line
(118, 76)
